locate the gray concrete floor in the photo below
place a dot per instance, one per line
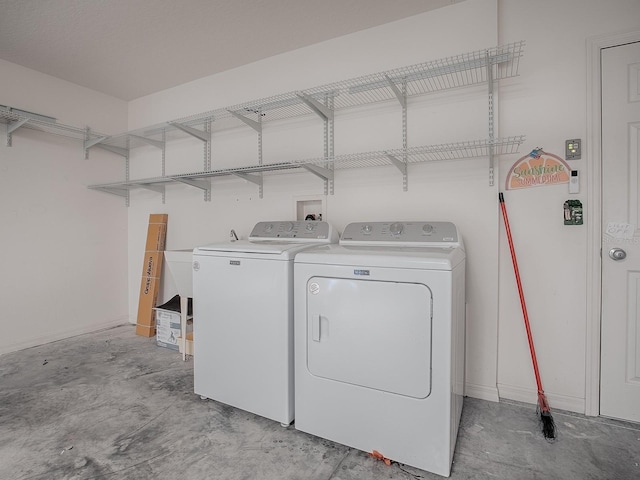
(111, 405)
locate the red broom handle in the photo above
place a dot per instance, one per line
(532, 349)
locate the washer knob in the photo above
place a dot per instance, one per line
(367, 228)
(268, 227)
(310, 227)
(427, 228)
(288, 226)
(396, 228)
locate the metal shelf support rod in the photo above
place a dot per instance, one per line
(405, 137)
(127, 170)
(491, 129)
(207, 157)
(164, 144)
(261, 186)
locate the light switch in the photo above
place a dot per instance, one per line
(573, 149)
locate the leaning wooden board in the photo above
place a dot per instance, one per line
(151, 273)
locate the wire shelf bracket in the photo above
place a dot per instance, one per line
(194, 132)
(201, 184)
(256, 125)
(154, 188)
(253, 178)
(13, 126)
(402, 97)
(324, 173)
(123, 152)
(402, 166)
(120, 192)
(321, 110)
(150, 141)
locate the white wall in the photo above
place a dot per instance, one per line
(548, 103)
(63, 258)
(458, 192)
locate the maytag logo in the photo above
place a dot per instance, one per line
(234, 262)
(361, 272)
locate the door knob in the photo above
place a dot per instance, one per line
(617, 254)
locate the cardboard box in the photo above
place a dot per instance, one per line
(151, 273)
(168, 318)
(156, 233)
(168, 329)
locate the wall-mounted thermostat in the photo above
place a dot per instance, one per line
(573, 149)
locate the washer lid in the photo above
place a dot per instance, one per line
(262, 248)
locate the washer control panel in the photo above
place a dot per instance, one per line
(417, 234)
(297, 231)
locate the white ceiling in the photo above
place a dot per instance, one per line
(131, 48)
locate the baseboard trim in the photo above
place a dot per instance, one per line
(482, 392)
(530, 395)
(63, 334)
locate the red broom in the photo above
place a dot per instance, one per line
(548, 425)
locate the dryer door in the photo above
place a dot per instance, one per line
(375, 334)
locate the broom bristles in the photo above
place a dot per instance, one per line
(548, 425)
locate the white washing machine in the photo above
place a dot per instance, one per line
(379, 341)
(243, 317)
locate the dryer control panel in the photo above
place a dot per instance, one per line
(295, 231)
(402, 234)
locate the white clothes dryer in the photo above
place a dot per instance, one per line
(243, 317)
(379, 340)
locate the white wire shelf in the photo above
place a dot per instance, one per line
(420, 79)
(326, 166)
(429, 77)
(430, 153)
(479, 67)
(15, 119)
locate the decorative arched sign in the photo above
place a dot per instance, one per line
(536, 169)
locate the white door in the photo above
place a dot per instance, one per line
(620, 354)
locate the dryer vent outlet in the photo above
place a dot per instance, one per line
(310, 208)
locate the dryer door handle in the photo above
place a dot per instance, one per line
(315, 327)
